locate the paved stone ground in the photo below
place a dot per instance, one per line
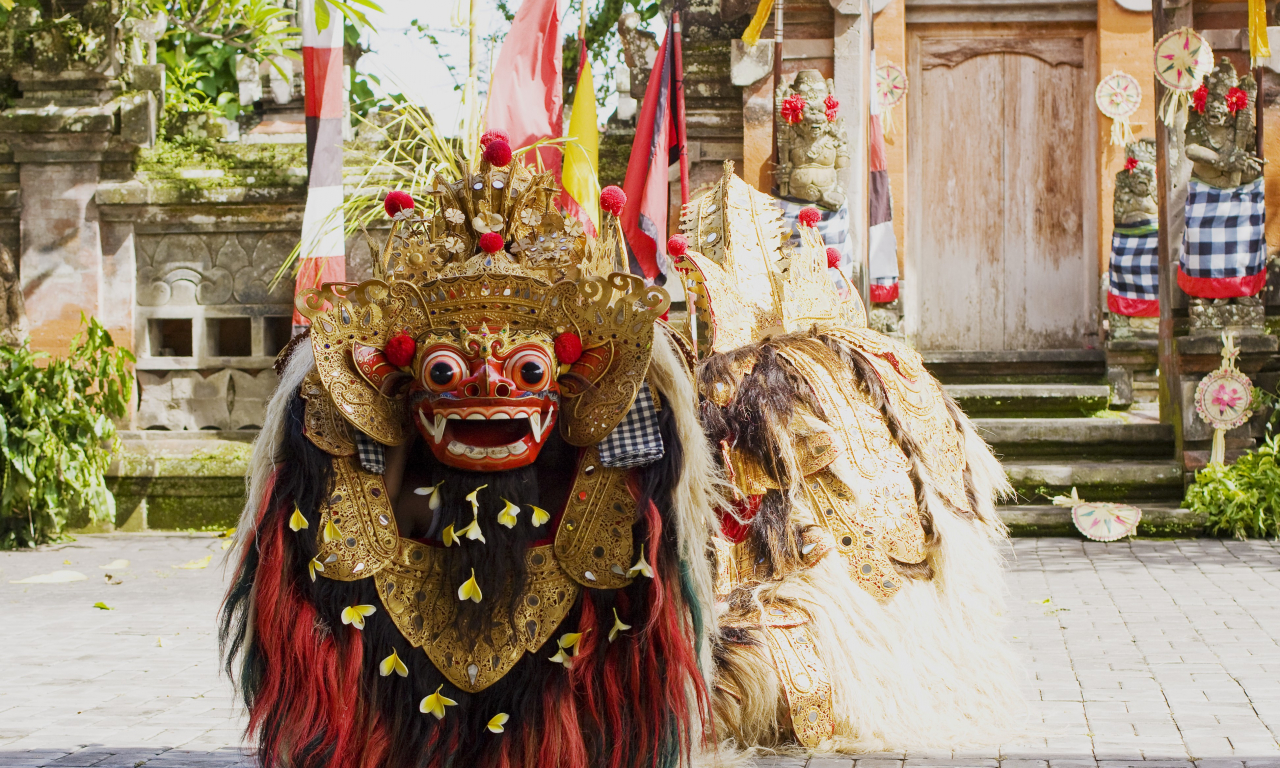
(1151, 653)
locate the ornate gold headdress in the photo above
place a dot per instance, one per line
(747, 284)
(494, 250)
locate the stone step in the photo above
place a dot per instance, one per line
(1030, 400)
(1133, 482)
(1118, 436)
(1158, 520)
(1085, 366)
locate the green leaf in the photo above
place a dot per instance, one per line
(102, 606)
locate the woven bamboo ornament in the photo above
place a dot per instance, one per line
(1182, 59)
(891, 89)
(1101, 520)
(1224, 398)
(1118, 96)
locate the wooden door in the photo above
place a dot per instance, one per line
(1003, 193)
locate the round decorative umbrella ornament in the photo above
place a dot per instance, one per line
(1183, 58)
(1101, 520)
(891, 88)
(1224, 398)
(1118, 97)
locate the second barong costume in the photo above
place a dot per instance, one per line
(530, 571)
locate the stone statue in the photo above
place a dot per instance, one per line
(1133, 298)
(812, 146)
(12, 313)
(1223, 264)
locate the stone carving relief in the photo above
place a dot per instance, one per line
(228, 399)
(212, 269)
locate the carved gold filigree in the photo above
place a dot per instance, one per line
(359, 512)
(321, 423)
(593, 544)
(421, 600)
(806, 681)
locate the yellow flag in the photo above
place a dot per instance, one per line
(582, 151)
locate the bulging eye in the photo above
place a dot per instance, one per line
(530, 370)
(442, 370)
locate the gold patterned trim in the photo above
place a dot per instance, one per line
(422, 603)
(357, 536)
(321, 423)
(805, 678)
(594, 543)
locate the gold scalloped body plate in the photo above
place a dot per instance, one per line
(805, 678)
(594, 541)
(361, 512)
(321, 423)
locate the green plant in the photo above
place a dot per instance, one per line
(57, 434)
(1243, 499)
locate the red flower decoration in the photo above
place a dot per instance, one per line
(491, 134)
(833, 258)
(491, 242)
(1237, 100)
(1130, 163)
(568, 347)
(810, 216)
(400, 349)
(793, 109)
(397, 200)
(1200, 98)
(612, 199)
(833, 108)
(498, 153)
(678, 245)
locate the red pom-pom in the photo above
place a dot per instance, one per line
(568, 347)
(678, 245)
(832, 106)
(498, 153)
(493, 134)
(1130, 163)
(810, 217)
(612, 199)
(833, 258)
(793, 108)
(1237, 100)
(397, 200)
(400, 349)
(1200, 98)
(491, 242)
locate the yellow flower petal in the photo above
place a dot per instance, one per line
(393, 664)
(508, 514)
(331, 531)
(354, 615)
(475, 503)
(641, 567)
(618, 626)
(472, 531)
(470, 590)
(313, 566)
(570, 640)
(563, 658)
(435, 704)
(448, 536)
(298, 521)
(540, 516)
(497, 721)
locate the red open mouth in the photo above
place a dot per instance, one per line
(474, 436)
(487, 434)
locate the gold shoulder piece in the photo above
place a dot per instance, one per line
(361, 515)
(422, 605)
(321, 423)
(806, 681)
(594, 544)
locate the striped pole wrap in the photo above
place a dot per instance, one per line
(322, 258)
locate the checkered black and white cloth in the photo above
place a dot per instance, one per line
(373, 454)
(1224, 235)
(834, 227)
(636, 440)
(1135, 261)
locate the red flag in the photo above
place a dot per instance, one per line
(656, 146)
(525, 92)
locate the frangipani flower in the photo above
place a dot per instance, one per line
(454, 216)
(448, 536)
(618, 626)
(497, 721)
(475, 503)
(508, 514)
(354, 614)
(569, 641)
(470, 590)
(540, 516)
(434, 492)
(435, 704)
(472, 531)
(487, 221)
(563, 658)
(331, 531)
(393, 664)
(641, 567)
(314, 565)
(298, 521)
